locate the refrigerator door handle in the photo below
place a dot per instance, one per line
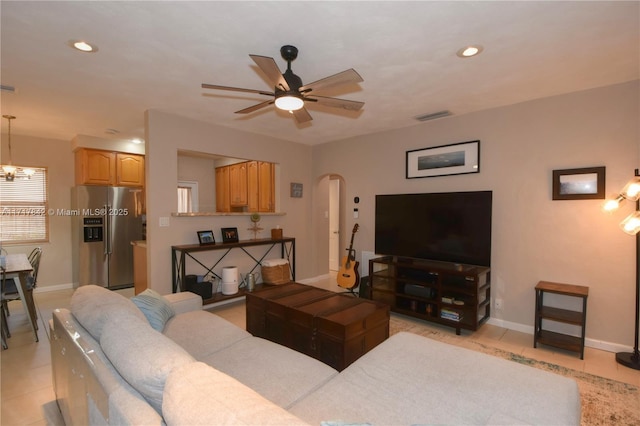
(107, 229)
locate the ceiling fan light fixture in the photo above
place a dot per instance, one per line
(289, 103)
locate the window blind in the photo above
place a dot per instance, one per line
(24, 209)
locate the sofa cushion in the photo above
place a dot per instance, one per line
(155, 308)
(184, 301)
(196, 394)
(278, 373)
(202, 333)
(410, 379)
(143, 356)
(93, 306)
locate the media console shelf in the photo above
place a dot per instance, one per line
(451, 294)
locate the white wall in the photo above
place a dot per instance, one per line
(166, 134)
(534, 238)
(55, 266)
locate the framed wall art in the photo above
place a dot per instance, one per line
(296, 190)
(229, 235)
(206, 237)
(454, 159)
(579, 184)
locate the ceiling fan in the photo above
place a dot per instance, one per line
(289, 93)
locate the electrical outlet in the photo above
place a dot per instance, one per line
(498, 304)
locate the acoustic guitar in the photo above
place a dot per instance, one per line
(348, 274)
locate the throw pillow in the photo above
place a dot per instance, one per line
(155, 307)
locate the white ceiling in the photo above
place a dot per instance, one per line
(155, 55)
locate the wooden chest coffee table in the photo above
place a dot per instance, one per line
(336, 329)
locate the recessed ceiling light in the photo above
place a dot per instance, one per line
(136, 141)
(469, 51)
(82, 46)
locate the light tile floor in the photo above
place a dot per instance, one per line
(26, 389)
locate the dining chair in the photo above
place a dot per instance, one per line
(10, 291)
(3, 317)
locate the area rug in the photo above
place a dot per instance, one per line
(604, 401)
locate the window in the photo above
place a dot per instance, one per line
(187, 196)
(23, 209)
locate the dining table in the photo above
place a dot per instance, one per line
(18, 266)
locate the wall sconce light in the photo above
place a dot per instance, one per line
(631, 226)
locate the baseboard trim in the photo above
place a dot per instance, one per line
(314, 279)
(590, 343)
(57, 287)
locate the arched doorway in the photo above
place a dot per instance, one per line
(334, 223)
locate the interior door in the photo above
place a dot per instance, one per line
(334, 224)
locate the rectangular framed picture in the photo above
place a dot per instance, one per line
(229, 235)
(206, 237)
(296, 190)
(454, 159)
(579, 184)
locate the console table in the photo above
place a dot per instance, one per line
(180, 253)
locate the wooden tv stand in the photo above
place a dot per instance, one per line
(452, 294)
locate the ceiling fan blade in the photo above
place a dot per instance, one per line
(236, 89)
(337, 103)
(255, 107)
(344, 77)
(302, 115)
(270, 68)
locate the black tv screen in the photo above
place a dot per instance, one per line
(448, 226)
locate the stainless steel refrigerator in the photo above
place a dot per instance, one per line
(107, 220)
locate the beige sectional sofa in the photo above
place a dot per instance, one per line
(110, 366)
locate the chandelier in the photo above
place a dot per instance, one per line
(9, 171)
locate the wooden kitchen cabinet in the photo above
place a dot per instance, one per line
(223, 203)
(129, 169)
(252, 186)
(99, 167)
(247, 186)
(140, 282)
(266, 187)
(238, 184)
(95, 167)
(261, 186)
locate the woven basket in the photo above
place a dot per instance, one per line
(276, 274)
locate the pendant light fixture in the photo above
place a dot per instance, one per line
(9, 170)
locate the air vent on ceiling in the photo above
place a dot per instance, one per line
(6, 88)
(433, 116)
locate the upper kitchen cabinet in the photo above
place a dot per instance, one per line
(247, 186)
(95, 167)
(238, 184)
(98, 167)
(223, 203)
(265, 187)
(129, 169)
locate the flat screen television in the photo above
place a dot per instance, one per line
(447, 226)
